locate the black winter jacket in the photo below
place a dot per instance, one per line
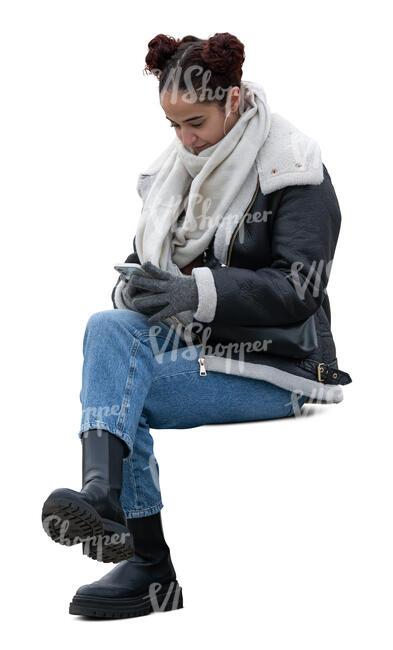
(270, 286)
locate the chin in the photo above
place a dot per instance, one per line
(198, 149)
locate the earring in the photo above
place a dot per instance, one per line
(226, 117)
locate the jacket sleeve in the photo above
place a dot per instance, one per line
(304, 235)
(116, 297)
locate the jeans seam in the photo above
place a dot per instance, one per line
(147, 334)
(130, 382)
(175, 374)
(127, 398)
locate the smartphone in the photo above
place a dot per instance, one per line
(128, 268)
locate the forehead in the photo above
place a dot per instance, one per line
(177, 107)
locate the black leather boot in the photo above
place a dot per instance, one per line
(140, 585)
(93, 516)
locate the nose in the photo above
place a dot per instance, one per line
(188, 138)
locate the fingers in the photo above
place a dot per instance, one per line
(146, 302)
(130, 290)
(156, 272)
(168, 311)
(147, 283)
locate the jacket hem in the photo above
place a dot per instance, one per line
(329, 393)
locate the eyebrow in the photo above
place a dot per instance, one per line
(196, 117)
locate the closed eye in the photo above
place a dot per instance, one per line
(196, 125)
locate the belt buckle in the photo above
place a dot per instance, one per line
(320, 370)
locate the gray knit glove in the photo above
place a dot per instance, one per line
(128, 292)
(165, 294)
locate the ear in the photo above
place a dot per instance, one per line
(235, 98)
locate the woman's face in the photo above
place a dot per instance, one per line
(199, 124)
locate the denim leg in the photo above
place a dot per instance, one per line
(116, 374)
(180, 398)
(118, 363)
(128, 387)
(141, 494)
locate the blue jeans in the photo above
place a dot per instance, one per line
(134, 379)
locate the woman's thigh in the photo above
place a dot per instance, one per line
(179, 397)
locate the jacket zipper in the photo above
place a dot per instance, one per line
(236, 232)
(201, 360)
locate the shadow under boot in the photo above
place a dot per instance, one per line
(138, 586)
(93, 516)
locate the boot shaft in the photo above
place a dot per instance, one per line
(149, 541)
(102, 458)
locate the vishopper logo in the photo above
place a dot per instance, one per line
(98, 542)
(153, 468)
(319, 395)
(170, 600)
(192, 351)
(198, 217)
(98, 413)
(313, 277)
(295, 403)
(192, 93)
(232, 221)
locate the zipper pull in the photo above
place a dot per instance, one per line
(202, 367)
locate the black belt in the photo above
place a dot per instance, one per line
(325, 373)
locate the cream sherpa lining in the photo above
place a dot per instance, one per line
(207, 295)
(316, 390)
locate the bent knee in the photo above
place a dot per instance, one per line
(113, 317)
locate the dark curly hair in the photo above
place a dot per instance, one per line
(185, 61)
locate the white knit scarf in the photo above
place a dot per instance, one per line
(203, 185)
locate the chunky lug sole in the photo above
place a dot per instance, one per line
(161, 598)
(70, 520)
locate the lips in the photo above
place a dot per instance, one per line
(198, 149)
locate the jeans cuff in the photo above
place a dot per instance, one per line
(106, 427)
(143, 512)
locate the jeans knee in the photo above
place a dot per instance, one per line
(100, 318)
(100, 322)
(121, 319)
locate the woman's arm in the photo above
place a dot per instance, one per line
(304, 237)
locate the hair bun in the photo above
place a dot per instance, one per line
(161, 48)
(224, 53)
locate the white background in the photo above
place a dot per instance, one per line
(280, 531)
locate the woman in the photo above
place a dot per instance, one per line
(236, 238)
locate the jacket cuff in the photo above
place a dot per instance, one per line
(207, 295)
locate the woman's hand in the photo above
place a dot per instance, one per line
(128, 292)
(165, 294)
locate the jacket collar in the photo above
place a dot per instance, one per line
(288, 157)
